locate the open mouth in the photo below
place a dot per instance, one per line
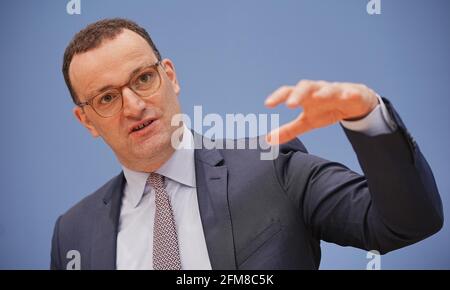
(142, 126)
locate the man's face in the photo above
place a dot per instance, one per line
(112, 64)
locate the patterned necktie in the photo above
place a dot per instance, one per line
(166, 255)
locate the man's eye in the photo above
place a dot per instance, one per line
(106, 99)
(145, 78)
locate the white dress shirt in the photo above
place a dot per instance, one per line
(137, 215)
(135, 236)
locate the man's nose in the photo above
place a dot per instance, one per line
(133, 105)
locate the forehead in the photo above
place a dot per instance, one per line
(109, 64)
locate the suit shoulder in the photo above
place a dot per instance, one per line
(255, 153)
(293, 145)
(86, 208)
(259, 144)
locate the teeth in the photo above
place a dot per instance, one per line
(142, 125)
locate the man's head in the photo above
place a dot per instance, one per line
(116, 54)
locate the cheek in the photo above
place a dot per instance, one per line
(163, 104)
(111, 132)
(170, 102)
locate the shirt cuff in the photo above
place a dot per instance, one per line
(375, 123)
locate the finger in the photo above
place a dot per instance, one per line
(278, 97)
(328, 92)
(288, 131)
(328, 97)
(303, 89)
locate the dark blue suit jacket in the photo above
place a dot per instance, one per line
(272, 214)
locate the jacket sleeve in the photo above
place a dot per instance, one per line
(395, 203)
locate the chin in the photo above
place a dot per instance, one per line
(151, 147)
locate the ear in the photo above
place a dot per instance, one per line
(171, 74)
(84, 120)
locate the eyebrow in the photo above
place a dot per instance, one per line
(107, 87)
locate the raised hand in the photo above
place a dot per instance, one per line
(324, 103)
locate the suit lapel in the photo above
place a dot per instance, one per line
(103, 255)
(212, 194)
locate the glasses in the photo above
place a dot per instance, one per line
(110, 102)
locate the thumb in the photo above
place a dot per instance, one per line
(288, 131)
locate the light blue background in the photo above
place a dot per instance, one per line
(229, 56)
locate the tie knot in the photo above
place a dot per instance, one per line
(156, 180)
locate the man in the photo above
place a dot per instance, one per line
(185, 208)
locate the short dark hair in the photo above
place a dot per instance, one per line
(92, 37)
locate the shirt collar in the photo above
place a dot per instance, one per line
(180, 168)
